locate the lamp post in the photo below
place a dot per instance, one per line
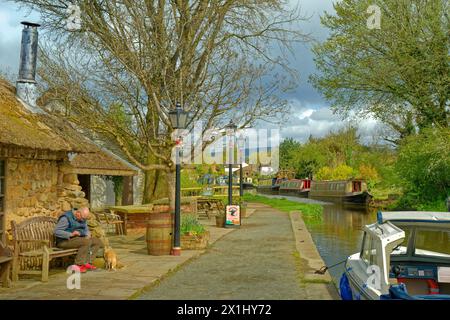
(241, 143)
(178, 119)
(231, 132)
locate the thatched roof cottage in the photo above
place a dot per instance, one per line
(42, 156)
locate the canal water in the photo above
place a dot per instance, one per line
(338, 232)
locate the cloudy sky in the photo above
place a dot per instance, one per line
(311, 113)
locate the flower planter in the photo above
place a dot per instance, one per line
(194, 241)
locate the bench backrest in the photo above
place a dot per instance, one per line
(36, 228)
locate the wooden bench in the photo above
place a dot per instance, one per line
(34, 247)
(5, 265)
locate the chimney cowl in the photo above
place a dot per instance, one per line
(26, 83)
(30, 24)
(28, 52)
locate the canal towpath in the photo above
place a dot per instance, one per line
(259, 261)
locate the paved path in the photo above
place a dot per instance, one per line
(258, 261)
(140, 270)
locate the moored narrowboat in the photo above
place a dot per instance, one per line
(297, 187)
(247, 183)
(346, 191)
(269, 185)
(264, 185)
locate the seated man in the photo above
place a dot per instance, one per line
(72, 232)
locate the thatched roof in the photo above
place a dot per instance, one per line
(103, 162)
(23, 128)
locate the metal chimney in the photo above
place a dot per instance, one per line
(26, 84)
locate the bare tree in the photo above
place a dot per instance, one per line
(132, 60)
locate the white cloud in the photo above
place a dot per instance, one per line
(319, 121)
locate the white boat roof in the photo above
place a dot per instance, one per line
(414, 216)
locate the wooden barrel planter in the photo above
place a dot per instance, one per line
(159, 233)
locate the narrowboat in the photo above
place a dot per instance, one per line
(403, 256)
(247, 183)
(264, 185)
(269, 185)
(346, 191)
(297, 187)
(276, 185)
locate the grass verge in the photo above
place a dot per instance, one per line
(282, 204)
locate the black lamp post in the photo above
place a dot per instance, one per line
(178, 119)
(231, 132)
(241, 160)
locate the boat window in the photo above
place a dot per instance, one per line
(432, 243)
(369, 252)
(402, 249)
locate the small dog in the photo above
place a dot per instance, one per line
(110, 259)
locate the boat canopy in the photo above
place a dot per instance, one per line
(413, 216)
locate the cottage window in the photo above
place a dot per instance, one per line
(2, 199)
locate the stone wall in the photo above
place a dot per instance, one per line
(39, 188)
(69, 191)
(31, 189)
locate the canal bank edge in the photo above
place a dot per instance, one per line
(307, 249)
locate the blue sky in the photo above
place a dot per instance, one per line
(310, 112)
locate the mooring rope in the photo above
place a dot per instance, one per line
(325, 268)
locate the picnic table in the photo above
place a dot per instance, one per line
(126, 211)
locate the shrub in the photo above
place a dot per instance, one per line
(424, 165)
(370, 174)
(190, 224)
(341, 172)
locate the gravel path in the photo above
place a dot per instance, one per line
(253, 262)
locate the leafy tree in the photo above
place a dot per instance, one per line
(370, 174)
(341, 172)
(424, 164)
(399, 73)
(288, 148)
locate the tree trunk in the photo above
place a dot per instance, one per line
(155, 185)
(149, 181)
(127, 193)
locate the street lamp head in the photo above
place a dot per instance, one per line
(178, 117)
(231, 128)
